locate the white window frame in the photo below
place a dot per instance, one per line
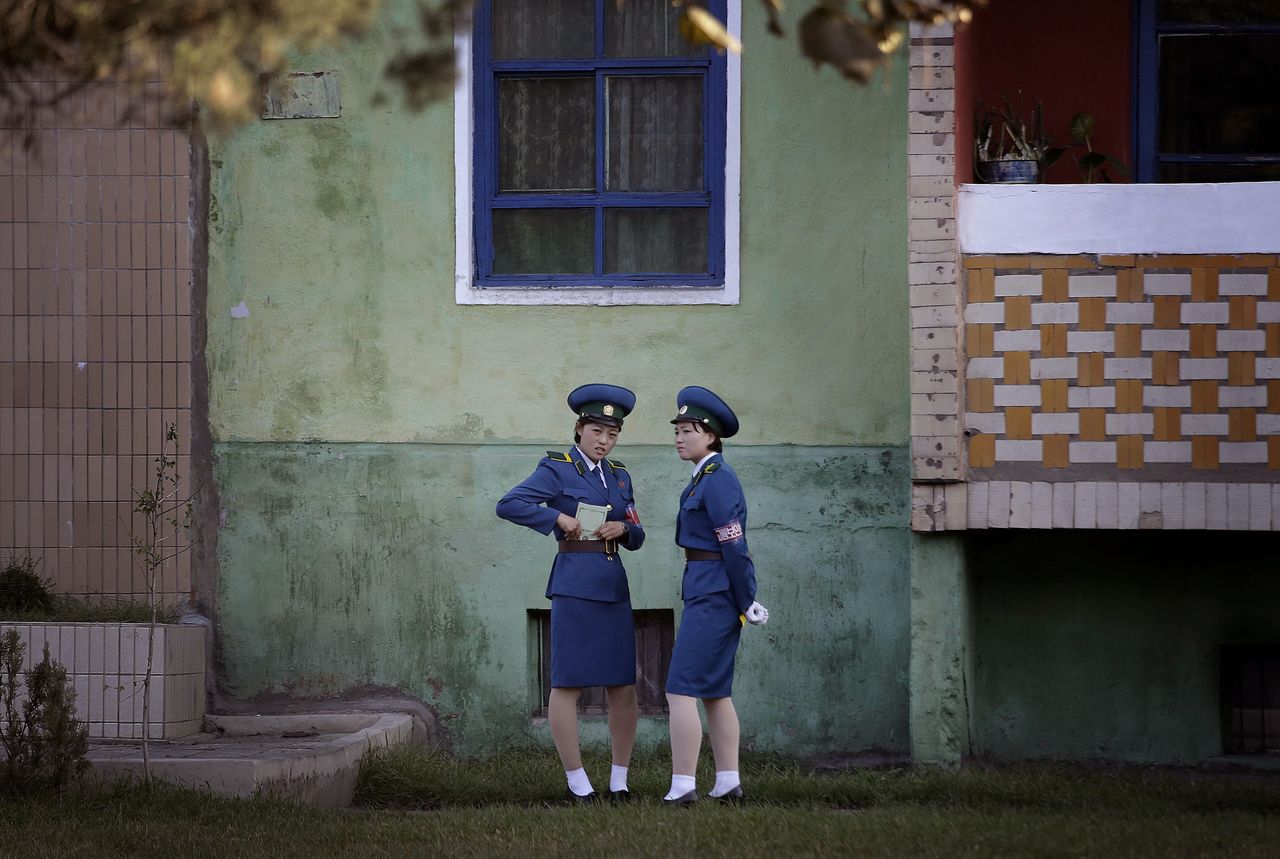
(465, 290)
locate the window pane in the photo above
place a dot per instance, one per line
(654, 133)
(543, 241)
(644, 28)
(1217, 94)
(546, 134)
(1220, 11)
(543, 29)
(1258, 172)
(637, 241)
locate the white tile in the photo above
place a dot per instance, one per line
(1215, 506)
(1018, 284)
(955, 497)
(1041, 505)
(1268, 311)
(984, 368)
(1171, 505)
(1267, 368)
(1019, 504)
(1016, 341)
(1195, 506)
(1242, 284)
(978, 500)
(1064, 505)
(1241, 397)
(1166, 451)
(1108, 505)
(1053, 313)
(1091, 341)
(1166, 283)
(1091, 285)
(97, 656)
(991, 423)
(1275, 507)
(1203, 368)
(998, 503)
(1150, 499)
(1014, 450)
(1238, 506)
(1242, 341)
(1165, 396)
(111, 650)
(1202, 313)
(985, 313)
(1130, 424)
(1017, 395)
(1128, 506)
(1130, 313)
(66, 646)
(1092, 451)
(1163, 340)
(1055, 423)
(933, 317)
(1242, 451)
(1126, 368)
(1054, 368)
(111, 698)
(1097, 397)
(1204, 425)
(95, 698)
(1086, 513)
(1259, 507)
(1269, 424)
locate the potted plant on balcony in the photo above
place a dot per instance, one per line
(1009, 148)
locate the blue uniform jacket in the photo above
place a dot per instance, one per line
(560, 481)
(713, 517)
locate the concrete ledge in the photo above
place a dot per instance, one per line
(312, 759)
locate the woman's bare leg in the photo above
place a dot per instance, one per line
(722, 725)
(624, 715)
(562, 713)
(686, 733)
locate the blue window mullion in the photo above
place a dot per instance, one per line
(601, 141)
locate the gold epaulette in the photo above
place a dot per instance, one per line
(558, 456)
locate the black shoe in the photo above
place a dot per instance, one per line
(620, 797)
(572, 798)
(733, 797)
(688, 799)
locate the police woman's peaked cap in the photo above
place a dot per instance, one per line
(601, 403)
(701, 406)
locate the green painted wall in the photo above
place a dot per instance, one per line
(1106, 645)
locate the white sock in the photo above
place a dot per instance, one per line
(578, 781)
(680, 785)
(618, 778)
(726, 781)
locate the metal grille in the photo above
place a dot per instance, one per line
(1251, 698)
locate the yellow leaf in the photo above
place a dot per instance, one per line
(700, 27)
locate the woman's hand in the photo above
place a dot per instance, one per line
(611, 530)
(571, 527)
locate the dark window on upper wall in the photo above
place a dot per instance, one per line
(1206, 73)
(1251, 699)
(599, 146)
(655, 636)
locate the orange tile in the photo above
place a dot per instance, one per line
(1243, 425)
(1017, 422)
(981, 395)
(1129, 284)
(1090, 366)
(1053, 341)
(1273, 284)
(1168, 424)
(980, 262)
(1273, 397)
(1243, 311)
(1128, 396)
(1093, 314)
(1204, 452)
(1017, 312)
(1119, 260)
(1204, 284)
(1017, 368)
(1204, 341)
(1055, 451)
(982, 451)
(1240, 368)
(1204, 397)
(1168, 311)
(982, 285)
(1128, 341)
(1053, 395)
(1093, 424)
(1055, 285)
(1273, 339)
(1164, 368)
(979, 341)
(1273, 452)
(1129, 451)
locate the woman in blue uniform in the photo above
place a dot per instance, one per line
(718, 590)
(592, 632)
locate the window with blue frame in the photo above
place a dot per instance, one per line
(1206, 105)
(599, 146)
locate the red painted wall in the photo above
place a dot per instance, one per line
(1072, 56)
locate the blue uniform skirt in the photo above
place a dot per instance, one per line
(706, 644)
(592, 643)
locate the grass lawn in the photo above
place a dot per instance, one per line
(414, 803)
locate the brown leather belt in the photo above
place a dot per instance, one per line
(700, 555)
(608, 547)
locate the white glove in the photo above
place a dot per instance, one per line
(757, 614)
